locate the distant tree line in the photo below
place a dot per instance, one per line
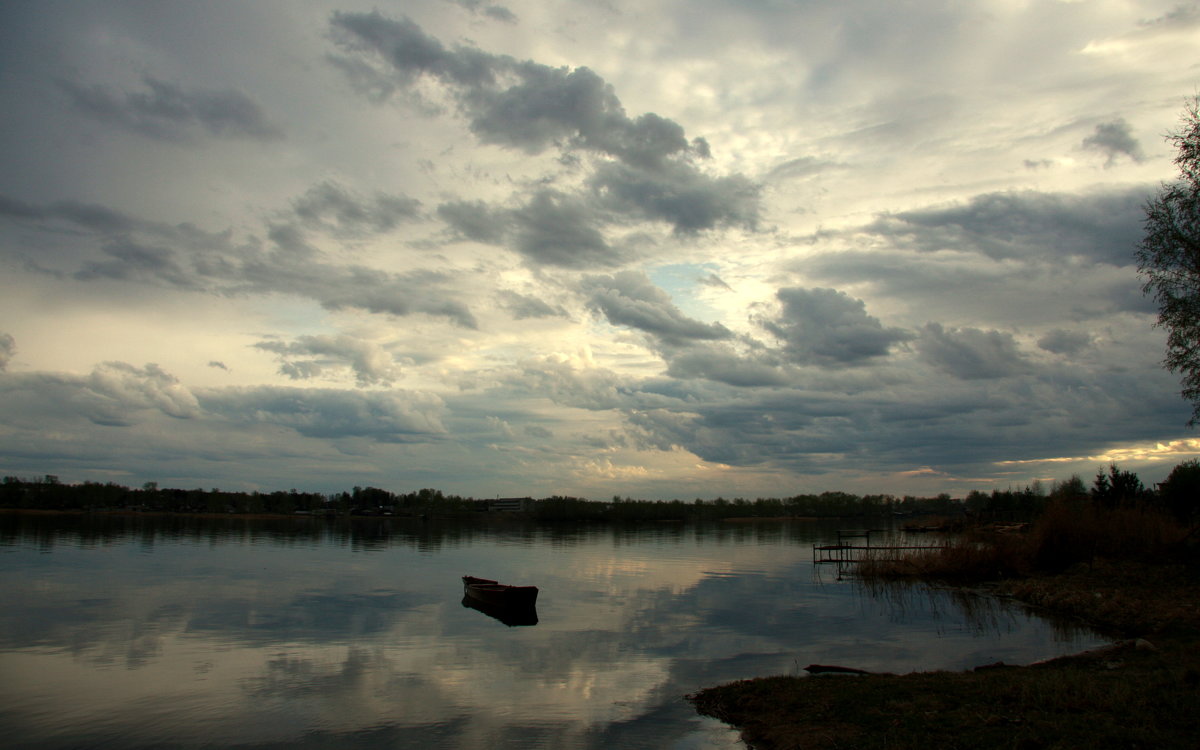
(823, 505)
(1111, 489)
(1114, 488)
(48, 493)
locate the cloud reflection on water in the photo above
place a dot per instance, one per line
(236, 642)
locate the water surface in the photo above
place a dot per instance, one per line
(129, 633)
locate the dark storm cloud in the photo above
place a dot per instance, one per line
(495, 12)
(500, 13)
(715, 281)
(1114, 139)
(129, 260)
(629, 298)
(533, 107)
(1184, 15)
(406, 52)
(509, 102)
(1060, 341)
(103, 224)
(953, 285)
(679, 195)
(292, 240)
(522, 306)
(725, 366)
(309, 356)
(337, 287)
(827, 327)
(552, 228)
(120, 395)
(114, 394)
(957, 417)
(301, 370)
(475, 220)
(334, 209)
(182, 256)
(115, 388)
(595, 389)
(577, 109)
(392, 416)
(971, 353)
(962, 426)
(1023, 259)
(559, 230)
(1102, 227)
(8, 348)
(817, 327)
(168, 112)
(785, 428)
(85, 215)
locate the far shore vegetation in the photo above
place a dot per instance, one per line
(1024, 504)
(48, 493)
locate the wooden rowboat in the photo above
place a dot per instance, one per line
(498, 594)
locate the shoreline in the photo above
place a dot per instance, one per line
(198, 515)
(431, 515)
(1138, 691)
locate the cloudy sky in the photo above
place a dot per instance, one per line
(659, 249)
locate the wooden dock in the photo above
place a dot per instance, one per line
(846, 551)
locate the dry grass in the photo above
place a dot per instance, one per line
(1067, 534)
(1127, 599)
(962, 561)
(1124, 699)
(1070, 533)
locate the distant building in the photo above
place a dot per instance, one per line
(510, 504)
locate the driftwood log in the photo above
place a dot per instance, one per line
(830, 669)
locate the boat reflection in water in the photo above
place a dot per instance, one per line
(511, 605)
(511, 615)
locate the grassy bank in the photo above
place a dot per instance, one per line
(1128, 574)
(1123, 699)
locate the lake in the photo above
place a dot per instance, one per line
(128, 632)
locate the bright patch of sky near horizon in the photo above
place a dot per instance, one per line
(590, 248)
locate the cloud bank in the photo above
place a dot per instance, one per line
(485, 248)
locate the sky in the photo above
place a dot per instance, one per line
(665, 249)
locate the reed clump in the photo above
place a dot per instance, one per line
(1069, 532)
(963, 561)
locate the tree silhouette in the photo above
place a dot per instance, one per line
(1169, 258)
(1117, 489)
(1181, 491)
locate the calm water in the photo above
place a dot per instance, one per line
(127, 633)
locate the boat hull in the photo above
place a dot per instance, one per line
(498, 594)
